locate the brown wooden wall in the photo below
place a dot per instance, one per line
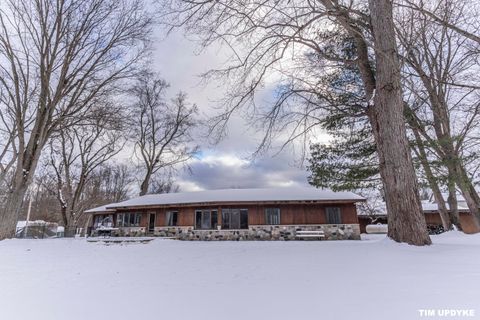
(466, 220)
(290, 214)
(186, 216)
(431, 218)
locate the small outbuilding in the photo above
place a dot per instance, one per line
(432, 218)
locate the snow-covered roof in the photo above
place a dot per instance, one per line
(23, 223)
(100, 209)
(238, 195)
(431, 206)
(427, 206)
(460, 197)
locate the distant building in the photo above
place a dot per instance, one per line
(432, 218)
(234, 214)
(37, 229)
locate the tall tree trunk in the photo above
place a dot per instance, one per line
(445, 146)
(458, 172)
(432, 181)
(10, 212)
(468, 182)
(406, 222)
(64, 214)
(70, 223)
(146, 182)
(453, 205)
(450, 155)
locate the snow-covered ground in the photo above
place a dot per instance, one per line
(375, 278)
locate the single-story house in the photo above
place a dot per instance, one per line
(432, 218)
(234, 214)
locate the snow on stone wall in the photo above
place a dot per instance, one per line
(262, 232)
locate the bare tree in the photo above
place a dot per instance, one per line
(8, 147)
(435, 11)
(110, 183)
(448, 217)
(44, 205)
(162, 130)
(398, 174)
(77, 152)
(265, 35)
(164, 185)
(437, 61)
(443, 58)
(57, 58)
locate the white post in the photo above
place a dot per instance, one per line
(28, 216)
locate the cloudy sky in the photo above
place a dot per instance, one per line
(228, 164)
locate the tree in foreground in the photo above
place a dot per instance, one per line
(57, 58)
(440, 114)
(274, 37)
(444, 93)
(406, 222)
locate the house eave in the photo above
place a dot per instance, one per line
(236, 203)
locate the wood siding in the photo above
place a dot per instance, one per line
(290, 213)
(431, 218)
(466, 220)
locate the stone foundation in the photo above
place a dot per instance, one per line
(331, 231)
(261, 232)
(130, 232)
(123, 232)
(172, 232)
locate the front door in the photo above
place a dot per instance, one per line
(151, 222)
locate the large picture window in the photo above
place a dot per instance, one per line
(128, 220)
(272, 216)
(206, 219)
(171, 218)
(333, 215)
(234, 219)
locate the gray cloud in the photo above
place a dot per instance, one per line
(222, 165)
(219, 171)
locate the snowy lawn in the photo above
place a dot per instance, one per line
(69, 279)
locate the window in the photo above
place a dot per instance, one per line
(234, 219)
(98, 221)
(108, 221)
(172, 218)
(120, 220)
(103, 220)
(206, 219)
(272, 216)
(128, 219)
(333, 215)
